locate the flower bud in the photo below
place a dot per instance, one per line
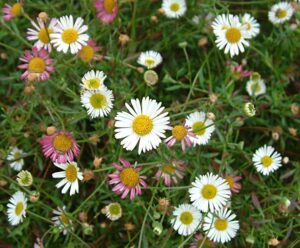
(202, 42)
(157, 228)
(88, 175)
(24, 178)
(249, 109)
(295, 109)
(123, 39)
(51, 130)
(34, 196)
(273, 242)
(213, 98)
(97, 162)
(43, 16)
(211, 116)
(286, 160)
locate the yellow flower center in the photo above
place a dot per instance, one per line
(220, 224)
(71, 173)
(64, 219)
(93, 83)
(36, 65)
(129, 177)
(109, 5)
(266, 161)
(233, 35)
(197, 128)
(230, 181)
(142, 125)
(86, 53)
(69, 35)
(149, 62)
(179, 132)
(186, 218)
(17, 155)
(255, 87)
(98, 101)
(44, 35)
(62, 143)
(19, 208)
(114, 209)
(168, 168)
(175, 7)
(281, 13)
(16, 9)
(209, 191)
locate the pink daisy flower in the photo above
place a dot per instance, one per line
(171, 172)
(198, 239)
(238, 71)
(10, 12)
(60, 147)
(107, 10)
(127, 179)
(233, 182)
(37, 63)
(87, 53)
(181, 133)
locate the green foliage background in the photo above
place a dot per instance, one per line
(187, 77)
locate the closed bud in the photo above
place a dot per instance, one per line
(249, 109)
(83, 216)
(295, 109)
(160, 12)
(157, 228)
(154, 19)
(97, 162)
(275, 136)
(213, 98)
(88, 175)
(123, 39)
(43, 16)
(202, 42)
(129, 227)
(183, 44)
(273, 242)
(51, 130)
(140, 70)
(87, 228)
(94, 139)
(293, 131)
(34, 196)
(3, 183)
(211, 116)
(286, 160)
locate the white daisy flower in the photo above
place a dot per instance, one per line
(97, 102)
(41, 33)
(256, 87)
(174, 8)
(70, 175)
(69, 35)
(209, 192)
(150, 59)
(186, 219)
(221, 226)
(266, 160)
(17, 208)
(196, 121)
(62, 220)
(145, 124)
(231, 34)
(251, 25)
(281, 12)
(93, 80)
(113, 211)
(15, 156)
(24, 178)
